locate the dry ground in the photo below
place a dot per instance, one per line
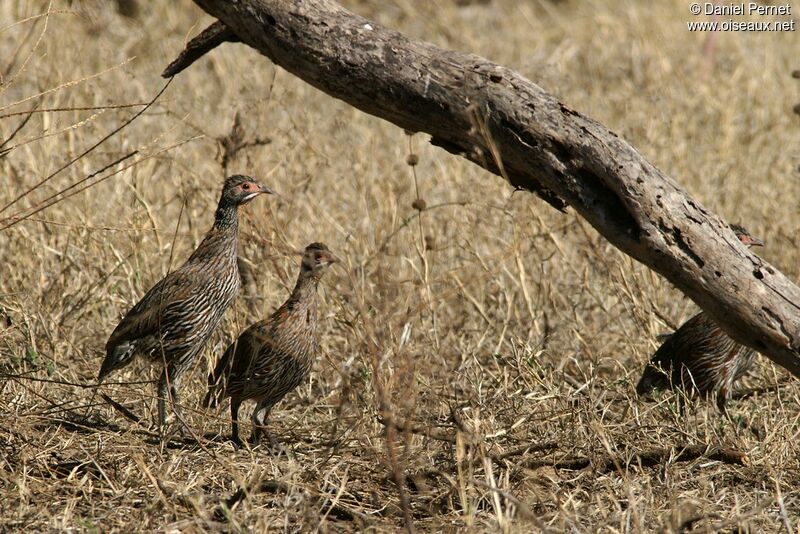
(507, 334)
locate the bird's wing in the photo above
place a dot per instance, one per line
(698, 348)
(256, 340)
(706, 338)
(692, 338)
(162, 304)
(219, 379)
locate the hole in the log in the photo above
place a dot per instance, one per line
(614, 210)
(717, 274)
(523, 135)
(560, 151)
(684, 246)
(758, 274)
(496, 78)
(567, 111)
(270, 20)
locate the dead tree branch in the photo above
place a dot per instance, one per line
(210, 38)
(508, 125)
(646, 458)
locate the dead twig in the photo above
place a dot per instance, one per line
(126, 413)
(20, 126)
(648, 458)
(442, 435)
(87, 151)
(750, 392)
(430, 432)
(273, 486)
(398, 478)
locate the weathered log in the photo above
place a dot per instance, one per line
(511, 127)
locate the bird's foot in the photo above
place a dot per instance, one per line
(186, 433)
(275, 446)
(163, 432)
(178, 431)
(757, 430)
(743, 423)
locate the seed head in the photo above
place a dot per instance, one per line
(430, 242)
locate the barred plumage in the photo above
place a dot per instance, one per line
(274, 356)
(174, 320)
(699, 357)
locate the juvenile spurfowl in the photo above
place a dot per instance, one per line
(274, 356)
(699, 357)
(173, 321)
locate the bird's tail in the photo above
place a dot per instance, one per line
(217, 380)
(117, 357)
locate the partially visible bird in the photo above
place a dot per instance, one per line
(273, 356)
(699, 357)
(173, 321)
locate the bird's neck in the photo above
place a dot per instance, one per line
(305, 290)
(220, 243)
(226, 218)
(304, 299)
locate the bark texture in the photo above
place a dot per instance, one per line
(510, 126)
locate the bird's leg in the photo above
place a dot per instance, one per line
(742, 422)
(162, 399)
(722, 400)
(681, 403)
(183, 426)
(235, 403)
(168, 388)
(260, 416)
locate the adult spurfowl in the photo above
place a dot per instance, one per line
(274, 356)
(699, 357)
(174, 320)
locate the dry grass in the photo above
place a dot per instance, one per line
(482, 326)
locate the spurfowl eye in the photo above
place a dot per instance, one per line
(246, 186)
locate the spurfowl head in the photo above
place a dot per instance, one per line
(745, 237)
(316, 259)
(240, 189)
(653, 379)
